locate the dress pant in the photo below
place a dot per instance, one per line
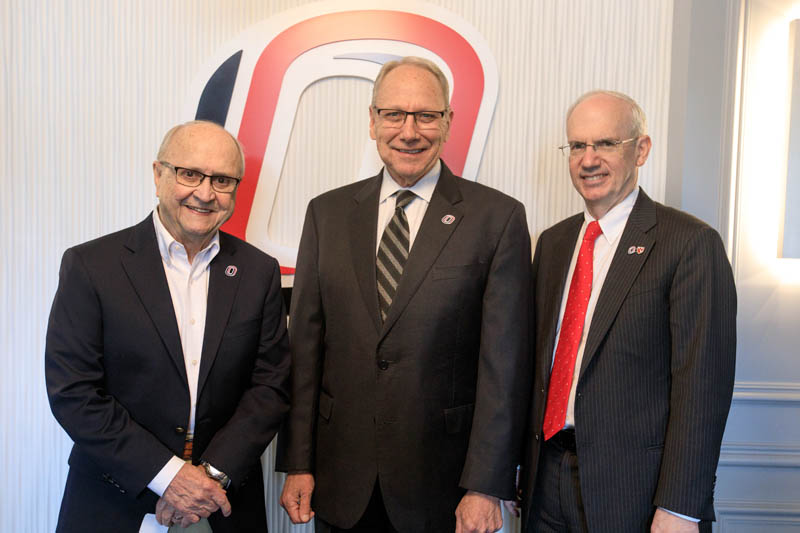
(557, 503)
(374, 519)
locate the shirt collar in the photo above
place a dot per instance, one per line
(422, 188)
(613, 222)
(167, 245)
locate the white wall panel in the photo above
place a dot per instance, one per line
(89, 87)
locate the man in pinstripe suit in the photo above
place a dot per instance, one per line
(629, 439)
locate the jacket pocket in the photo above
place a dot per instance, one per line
(458, 419)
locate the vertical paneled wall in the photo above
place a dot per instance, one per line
(89, 87)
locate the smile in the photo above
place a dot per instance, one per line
(412, 152)
(594, 177)
(200, 210)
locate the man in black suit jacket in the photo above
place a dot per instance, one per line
(408, 423)
(650, 387)
(167, 341)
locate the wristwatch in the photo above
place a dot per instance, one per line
(216, 475)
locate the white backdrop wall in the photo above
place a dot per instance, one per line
(89, 87)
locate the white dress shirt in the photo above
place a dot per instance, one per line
(188, 287)
(415, 210)
(612, 224)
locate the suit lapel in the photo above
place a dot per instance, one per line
(145, 271)
(555, 283)
(222, 289)
(622, 272)
(363, 224)
(432, 236)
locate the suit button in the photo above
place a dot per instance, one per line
(383, 364)
(180, 430)
(537, 437)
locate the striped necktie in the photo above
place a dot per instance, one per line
(393, 253)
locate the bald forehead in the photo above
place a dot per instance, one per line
(203, 142)
(601, 108)
(401, 73)
(190, 134)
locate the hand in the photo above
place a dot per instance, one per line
(512, 506)
(296, 497)
(192, 493)
(664, 522)
(478, 513)
(167, 515)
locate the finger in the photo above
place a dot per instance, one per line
(189, 519)
(305, 507)
(293, 510)
(221, 500)
(287, 500)
(165, 516)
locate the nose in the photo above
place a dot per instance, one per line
(408, 130)
(205, 192)
(590, 157)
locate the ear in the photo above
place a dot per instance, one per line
(449, 116)
(643, 146)
(156, 174)
(372, 134)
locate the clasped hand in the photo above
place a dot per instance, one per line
(190, 496)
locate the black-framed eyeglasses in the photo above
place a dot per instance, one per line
(603, 146)
(193, 178)
(395, 118)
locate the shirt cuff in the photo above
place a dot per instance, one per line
(681, 515)
(165, 476)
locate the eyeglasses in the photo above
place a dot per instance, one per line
(193, 178)
(395, 118)
(603, 146)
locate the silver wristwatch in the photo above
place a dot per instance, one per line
(216, 475)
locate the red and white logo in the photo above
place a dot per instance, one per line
(254, 84)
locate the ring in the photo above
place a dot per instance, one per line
(176, 518)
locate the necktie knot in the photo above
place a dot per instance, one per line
(404, 198)
(593, 231)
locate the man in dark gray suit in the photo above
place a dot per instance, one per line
(408, 334)
(635, 316)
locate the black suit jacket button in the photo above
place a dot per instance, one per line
(383, 364)
(180, 430)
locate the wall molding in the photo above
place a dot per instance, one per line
(760, 454)
(766, 391)
(756, 515)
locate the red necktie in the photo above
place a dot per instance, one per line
(580, 289)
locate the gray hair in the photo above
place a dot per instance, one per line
(638, 119)
(420, 62)
(162, 150)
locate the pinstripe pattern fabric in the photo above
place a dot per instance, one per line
(656, 379)
(392, 253)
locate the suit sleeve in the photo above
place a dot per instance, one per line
(703, 333)
(74, 375)
(241, 441)
(307, 330)
(504, 366)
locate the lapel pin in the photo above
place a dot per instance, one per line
(230, 271)
(631, 250)
(640, 250)
(448, 219)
